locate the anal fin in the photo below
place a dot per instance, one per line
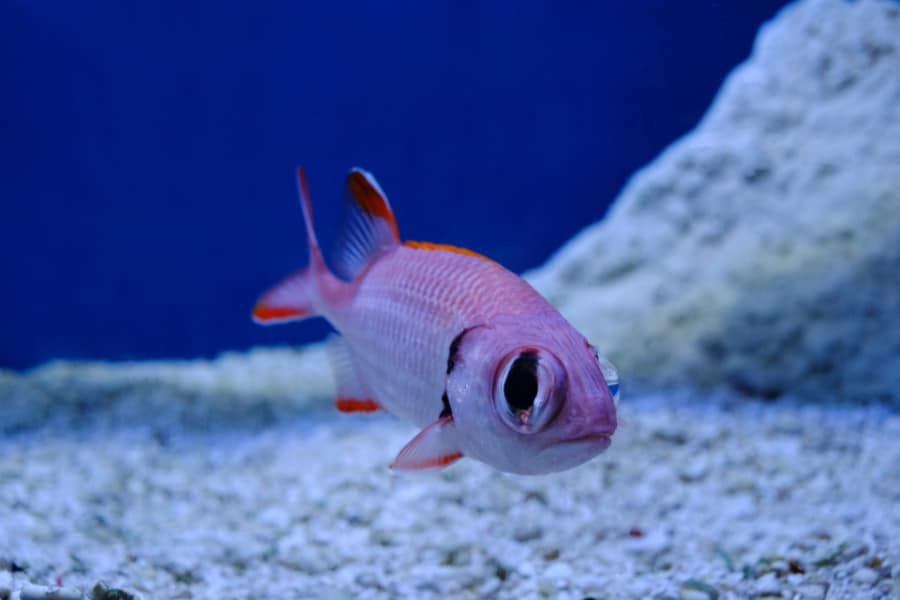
(356, 405)
(353, 395)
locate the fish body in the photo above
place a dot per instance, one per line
(452, 342)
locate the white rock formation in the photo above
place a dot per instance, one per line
(259, 387)
(763, 249)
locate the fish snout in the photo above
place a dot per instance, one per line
(602, 421)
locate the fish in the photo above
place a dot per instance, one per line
(450, 341)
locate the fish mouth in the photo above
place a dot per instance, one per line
(596, 433)
(590, 437)
(604, 439)
(598, 441)
(566, 454)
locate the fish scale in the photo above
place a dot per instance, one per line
(407, 312)
(408, 309)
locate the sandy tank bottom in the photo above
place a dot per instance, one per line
(699, 497)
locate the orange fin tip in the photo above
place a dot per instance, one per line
(448, 248)
(434, 447)
(354, 405)
(437, 462)
(368, 195)
(263, 313)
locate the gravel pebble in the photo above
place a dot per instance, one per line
(558, 571)
(695, 470)
(768, 584)
(866, 575)
(697, 590)
(39, 592)
(6, 583)
(812, 591)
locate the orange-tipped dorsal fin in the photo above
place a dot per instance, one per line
(370, 227)
(367, 195)
(447, 248)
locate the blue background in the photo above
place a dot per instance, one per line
(148, 149)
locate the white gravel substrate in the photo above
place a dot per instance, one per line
(697, 498)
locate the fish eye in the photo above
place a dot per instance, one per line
(529, 390)
(521, 383)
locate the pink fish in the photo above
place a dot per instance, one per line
(451, 341)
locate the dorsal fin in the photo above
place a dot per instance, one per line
(370, 226)
(447, 248)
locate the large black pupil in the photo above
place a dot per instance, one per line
(521, 383)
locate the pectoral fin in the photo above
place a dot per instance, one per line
(434, 447)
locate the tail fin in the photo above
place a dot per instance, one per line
(296, 296)
(315, 253)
